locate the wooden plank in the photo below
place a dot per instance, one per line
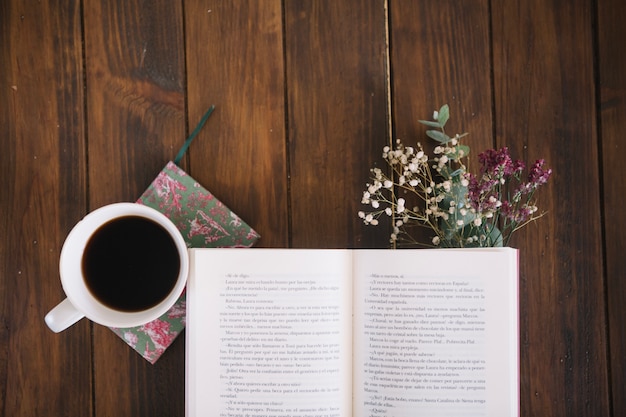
(545, 108)
(443, 59)
(235, 61)
(612, 75)
(42, 169)
(136, 119)
(337, 108)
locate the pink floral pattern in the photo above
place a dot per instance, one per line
(204, 222)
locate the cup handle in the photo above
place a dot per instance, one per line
(63, 316)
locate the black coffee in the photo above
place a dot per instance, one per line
(130, 263)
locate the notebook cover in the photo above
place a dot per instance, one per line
(204, 222)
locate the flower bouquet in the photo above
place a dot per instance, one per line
(460, 208)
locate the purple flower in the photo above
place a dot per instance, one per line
(516, 214)
(496, 163)
(537, 174)
(479, 192)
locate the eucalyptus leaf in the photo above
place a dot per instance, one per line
(460, 151)
(438, 136)
(493, 236)
(457, 173)
(458, 194)
(431, 124)
(444, 115)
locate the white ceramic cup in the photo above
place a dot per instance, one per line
(80, 302)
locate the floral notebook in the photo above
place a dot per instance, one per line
(204, 222)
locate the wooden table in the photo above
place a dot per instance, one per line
(96, 96)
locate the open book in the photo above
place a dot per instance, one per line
(329, 333)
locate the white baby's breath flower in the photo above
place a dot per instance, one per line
(400, 207)
(375, 187)
(436, 240)
(478, 221)
(375, 204)
(388, 184)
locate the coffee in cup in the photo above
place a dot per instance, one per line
(123, 265)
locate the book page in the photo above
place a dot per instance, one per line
(436, 333)
(269, 333)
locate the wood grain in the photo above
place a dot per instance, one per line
(545, 109)
(337, 107)
(42, 169)
(443, 60)
(612, 89)
(136, 119)
(235, 61)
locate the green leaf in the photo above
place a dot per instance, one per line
(458, 193)
(457, 173)
(458, 238)
(494, 236)
(438, 136)
(444, 115)
(455, 154)
(430, 124)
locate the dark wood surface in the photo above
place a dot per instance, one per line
(96, 96)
